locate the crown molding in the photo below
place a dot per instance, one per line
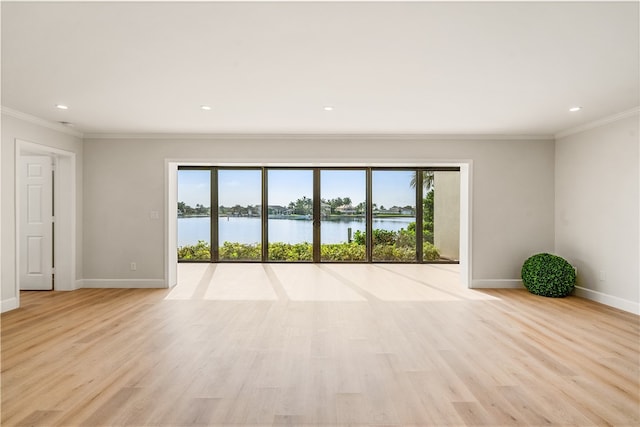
(276, 136)
(598, 123)
(40, 122)
(318, 136)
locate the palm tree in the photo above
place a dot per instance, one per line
(427, 180)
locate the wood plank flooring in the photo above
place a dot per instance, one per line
(317, 345)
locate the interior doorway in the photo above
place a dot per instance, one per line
(45, 186)
(36, 234)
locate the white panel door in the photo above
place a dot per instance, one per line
(36, 223)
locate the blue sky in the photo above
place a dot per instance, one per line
(242, 187)
(194, 187)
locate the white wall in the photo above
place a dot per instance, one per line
(594, 212)
(14, 128)
(597, 210)
(446, 214)
(124, 180)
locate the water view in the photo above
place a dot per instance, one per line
(246, 229)
(243, 197)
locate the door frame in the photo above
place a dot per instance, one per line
(466, 198)
(64, 190)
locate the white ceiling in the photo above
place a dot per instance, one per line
(399, 68)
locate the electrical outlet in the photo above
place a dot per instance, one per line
(603, 276)
(154, 215)
(134, 267)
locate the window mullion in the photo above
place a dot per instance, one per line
(419, 212)
(213, 213)
(316, 215)
(265, 216)
(369, 217)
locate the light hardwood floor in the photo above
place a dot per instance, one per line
(318, 345)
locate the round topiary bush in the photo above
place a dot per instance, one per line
(548, 275)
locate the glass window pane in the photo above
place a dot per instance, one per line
(394, 215)
(441, 209)
(343, 215)
(290, 205)
(239, 219)
(194, 210)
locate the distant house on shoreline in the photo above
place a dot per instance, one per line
(396, 210)
(346, 209)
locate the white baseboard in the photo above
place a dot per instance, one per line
(9, 304)
(610, 300)
(496, 284)
(77, 284)
(124, 283)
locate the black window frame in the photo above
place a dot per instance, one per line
(316, 243)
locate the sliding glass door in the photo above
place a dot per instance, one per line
(290, 212)
(343, 211)
(239, 214)
(394, 215)
(359, 214)
(194, 214)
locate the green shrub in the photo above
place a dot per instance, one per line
(384, 237)
(427, 230)
(199, 251)
(404, 253)
(548, 275)
(430, 252)
(427, 236)
(393, 253)
(279, 251)
(405, 238)
(343, 252)
(380, 237)
(403, 249)
(240, 251)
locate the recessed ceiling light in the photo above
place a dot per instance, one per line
(62, 107)
(574, 109)
(205, 107)
(327, 108)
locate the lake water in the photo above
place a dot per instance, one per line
(247, 230)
